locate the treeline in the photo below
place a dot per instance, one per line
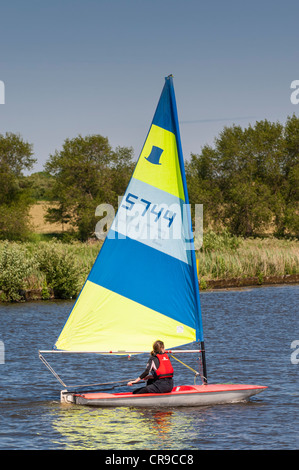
(248, 181)
(84, 174)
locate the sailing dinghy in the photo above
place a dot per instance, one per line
(143, 284)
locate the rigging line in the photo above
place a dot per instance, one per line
(104, 383)
(193, 370)
(51, 369)
(76, 386)
(71, 388)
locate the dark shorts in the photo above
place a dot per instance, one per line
(158, 386)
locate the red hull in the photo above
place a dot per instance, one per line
(184, 395)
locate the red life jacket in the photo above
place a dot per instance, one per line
(165, 368)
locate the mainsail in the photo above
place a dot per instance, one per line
(143, 285)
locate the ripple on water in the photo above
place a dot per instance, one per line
(247, 335)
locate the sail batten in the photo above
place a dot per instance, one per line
(143, 284)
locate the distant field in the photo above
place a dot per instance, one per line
(39, 225)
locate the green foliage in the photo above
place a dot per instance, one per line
(39, 184)
(203, 187)
(61, 269)
(253, 258)
(14, 221)
(44, 266)
(87, 173)
(15, 156)
(222, 241)
(249, 180)
(15, 266)
(64, 267)
(45, 291)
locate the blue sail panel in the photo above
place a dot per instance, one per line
(143, 275)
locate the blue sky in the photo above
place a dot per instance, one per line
(94, 66)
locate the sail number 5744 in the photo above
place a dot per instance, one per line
(147, 207)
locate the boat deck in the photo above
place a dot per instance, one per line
(179, 390)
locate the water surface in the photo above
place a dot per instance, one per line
(248, 336)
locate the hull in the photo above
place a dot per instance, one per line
(185, 395)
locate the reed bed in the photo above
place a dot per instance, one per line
(61, 268)
(253, 258)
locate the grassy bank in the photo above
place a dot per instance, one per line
(253, 258)
(50, 269)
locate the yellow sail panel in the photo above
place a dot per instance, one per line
(103, 320)
(158, 164)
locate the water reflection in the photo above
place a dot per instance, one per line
(135, 429)
(114, 428)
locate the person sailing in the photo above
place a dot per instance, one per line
(159, 365)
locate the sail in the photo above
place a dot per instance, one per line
(143, 285)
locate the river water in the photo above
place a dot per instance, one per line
(250, 337)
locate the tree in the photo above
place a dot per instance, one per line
(40, 184)
(249, 179)
(290, 190)
(16, 155)
(250, 175)
(87, 172)
(203, 187)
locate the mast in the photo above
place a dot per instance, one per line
(195, 277)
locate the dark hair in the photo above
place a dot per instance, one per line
(157, 347)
